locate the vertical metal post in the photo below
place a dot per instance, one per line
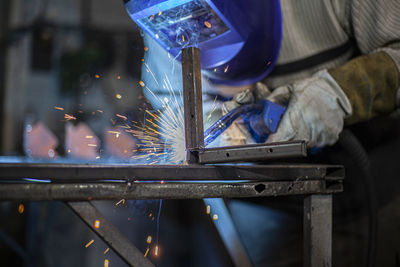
(192, 102)
(318, 231)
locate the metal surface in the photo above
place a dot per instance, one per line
(96, 172)
(110, 234)
(228, 232)
(258, 152)
(318, 231)
(192, 103)
(117, 191)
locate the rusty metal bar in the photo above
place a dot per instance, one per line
(58, 172)
(250, 153)
(117, 191)
(318, 231)
(192, 101)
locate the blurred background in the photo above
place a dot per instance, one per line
(80, 58)
(67, 70)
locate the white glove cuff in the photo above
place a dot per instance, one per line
(337, 90)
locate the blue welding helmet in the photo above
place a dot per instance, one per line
(239, 40)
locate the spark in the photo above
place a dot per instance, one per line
(152, 74)
(118, 96)
(159, 13)
(97, 157)
(146, 49)
(215, 217)
(106, 262)
(88, 136)
(97, 224)
(226, 69)
(97, 76)
(121, 116)
(208, 24)
(69, 150)
(21, 208)
(118, 77)
(92, 145)
(100, 111)
(147, 251)
(208, 209)
(89, 243)
(105, 251)
(156, 251)
(161, 134)
(156, 36)
(69, 117)
(121, 201)
(214, 107)
(59, 108)
(148, 240)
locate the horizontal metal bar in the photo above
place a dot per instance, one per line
(96, 172)
(110, 234)
(257, 152)
(117, 191)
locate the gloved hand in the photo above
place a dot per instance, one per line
(237, 133)
(315, 113)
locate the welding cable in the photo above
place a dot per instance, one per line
(355, 149)
(225, 121)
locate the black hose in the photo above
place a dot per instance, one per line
(355, 149)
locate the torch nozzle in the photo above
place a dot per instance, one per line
(225, 121)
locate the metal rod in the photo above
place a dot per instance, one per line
(110, 234)
(318, 231)
(192, 101)
(249, 153)
(118, 191)
(96, 172)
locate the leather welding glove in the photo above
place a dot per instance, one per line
(363, 88)
(316, 111)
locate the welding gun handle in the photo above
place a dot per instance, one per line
(225, 121)
(270, 113)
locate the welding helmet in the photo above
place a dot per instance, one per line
(239, 40)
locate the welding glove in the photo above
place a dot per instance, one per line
(315, 113)
(316, 109)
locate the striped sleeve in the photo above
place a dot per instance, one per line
(376, 26)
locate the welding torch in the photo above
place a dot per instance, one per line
(270, 111)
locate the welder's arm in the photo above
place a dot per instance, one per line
(359, 90)
(318, 107)
(371, 83)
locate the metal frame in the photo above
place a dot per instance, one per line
(78, 184)
(316, 182)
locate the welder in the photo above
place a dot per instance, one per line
(338, 64)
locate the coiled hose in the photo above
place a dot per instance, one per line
(355, 149)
